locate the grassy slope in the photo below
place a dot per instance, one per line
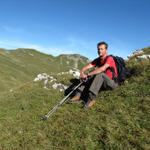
(22, 65)
(120, 119)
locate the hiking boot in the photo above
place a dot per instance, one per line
(75, 98)
(89, 103)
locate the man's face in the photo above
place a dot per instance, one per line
(102, 50)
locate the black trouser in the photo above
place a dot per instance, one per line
(98, 82)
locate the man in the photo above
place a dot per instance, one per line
(102, 77)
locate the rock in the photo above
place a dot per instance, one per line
(59, 86)
(144, 56)
(75, 73)
(137, 52)
(47, 79)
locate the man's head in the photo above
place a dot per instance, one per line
(102, 48)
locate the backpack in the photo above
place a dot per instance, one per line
(123, 72)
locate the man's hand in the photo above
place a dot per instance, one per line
(84, 69)
(83, 76)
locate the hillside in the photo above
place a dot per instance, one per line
(119, 120)
(22, 65)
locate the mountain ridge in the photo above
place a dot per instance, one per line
(22, 65)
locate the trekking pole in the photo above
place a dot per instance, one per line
(60, 103)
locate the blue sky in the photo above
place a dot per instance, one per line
(75, 26)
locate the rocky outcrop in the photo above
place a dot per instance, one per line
(51, 82)
(139, 54)
(74, 72)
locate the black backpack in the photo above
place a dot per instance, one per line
(123, 72)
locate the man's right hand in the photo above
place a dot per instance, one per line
(83, 76)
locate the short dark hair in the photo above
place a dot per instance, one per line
(102, 43)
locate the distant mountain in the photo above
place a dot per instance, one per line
(22, 65)
(75, 60)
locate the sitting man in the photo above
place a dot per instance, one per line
(102, 76)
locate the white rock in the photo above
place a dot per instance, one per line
(45, 82)
(36, 79)
(65, 87)
(61, 90)
(75, 73)
(54, 86)
(144, 56)
(71, 71)
(49, 79)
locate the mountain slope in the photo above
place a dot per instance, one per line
(22, 65)
(119, 120)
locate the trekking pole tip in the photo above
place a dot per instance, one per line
(44, 117)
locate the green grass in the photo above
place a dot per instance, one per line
(119, 120)
(22, 65)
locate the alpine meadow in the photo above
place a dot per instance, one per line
(119, 120)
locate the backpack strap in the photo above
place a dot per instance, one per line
(112, 69)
